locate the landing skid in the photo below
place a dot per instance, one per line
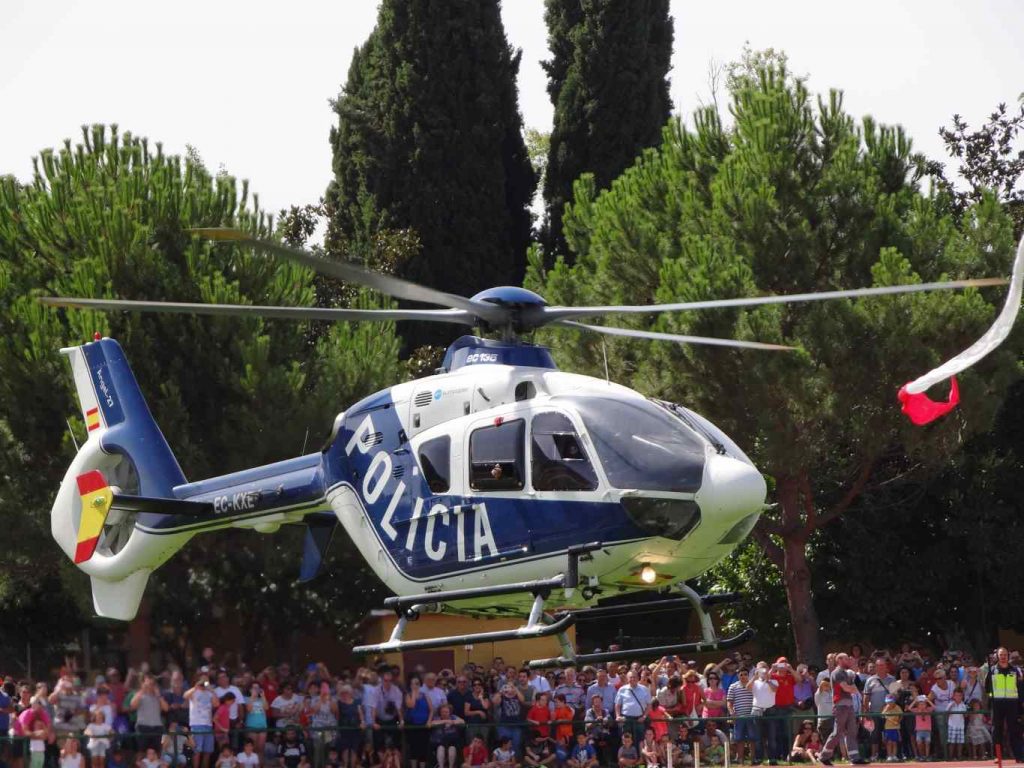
(540, 623)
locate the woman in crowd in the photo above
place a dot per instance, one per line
(417, 715)
(446, 736)
(350, 725)
(256, 708)
(714, 699)
(799, 753)
(322, 715)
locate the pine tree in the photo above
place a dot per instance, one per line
(796, 197)
(429, 137)
(608, 81)
(108, 217)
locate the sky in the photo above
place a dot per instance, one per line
(248, 83)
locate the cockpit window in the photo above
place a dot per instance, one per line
(558, 461)
(496, 457)
(641, 446)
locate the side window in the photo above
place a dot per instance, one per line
(435, 461)
(496, 457)
(558, 460)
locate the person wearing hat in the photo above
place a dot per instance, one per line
(785, 702)
(1003, 686)
(893, 716)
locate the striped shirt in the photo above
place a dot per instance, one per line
(742, 699)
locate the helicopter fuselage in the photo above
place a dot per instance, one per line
(487, 474)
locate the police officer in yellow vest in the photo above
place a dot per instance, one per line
(1003, 685)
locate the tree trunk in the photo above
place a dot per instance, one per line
(785, 543)
(797, 578)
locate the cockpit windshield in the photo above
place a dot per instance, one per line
(640, 445)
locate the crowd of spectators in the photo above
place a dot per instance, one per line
(881, 706)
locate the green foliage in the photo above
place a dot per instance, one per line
(109, 217)
(794, 198)
(429, 137)
(990, 159)
(608, 81)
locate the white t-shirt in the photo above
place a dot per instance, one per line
(764, 693)
(956, 715)
(540, 684)
(71, 761)
(248, 761)
(289, 709)
(107, 710)
(943, 695)
(200, 707)
(233, 713)
(96, 732)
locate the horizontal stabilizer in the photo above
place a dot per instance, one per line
(161, 506)
(319, 532)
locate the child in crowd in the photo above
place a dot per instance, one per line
(683, 754)
(392, 757)
(98, 732)
(538, 751)
(814, 746)
(150, 760)
(583, 754)
(649, 748)
(893, 713)
(248, 758)
(659, 719)
(715, 752)
(504, 756)
(70, 757)
(292, 749)
(116, 758)
(629, 756)
(333, 759)
(222, 720)
(956, 726)
(978, 736)
(227, 758)
(474, 755)
(176, 747)
(922, 709)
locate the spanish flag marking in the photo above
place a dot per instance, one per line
(92, 419)
(96, 500)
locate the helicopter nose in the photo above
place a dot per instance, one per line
(732, 490)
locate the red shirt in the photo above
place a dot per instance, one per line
(542, 715)
(222, 718)
(475, 755)
(784, 696)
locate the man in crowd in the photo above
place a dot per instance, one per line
(574, 694)
(844, 716)
(603, 687)
(388, 710)
(876, 688)
(202, 701)
(631, 704)
(740, 701)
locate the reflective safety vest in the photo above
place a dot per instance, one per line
(1004, 684)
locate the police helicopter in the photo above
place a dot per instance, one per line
(498, 486)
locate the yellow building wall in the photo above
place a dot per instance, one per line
(378, 629)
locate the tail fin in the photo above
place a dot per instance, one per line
(124, 452)
(115, 411)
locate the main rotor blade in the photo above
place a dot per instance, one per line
(354, 273)
(457, 316)
(613, 331)
(557, 313)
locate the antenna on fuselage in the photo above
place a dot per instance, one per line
(604, 351)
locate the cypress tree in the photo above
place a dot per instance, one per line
(429, 137)
(608, 81)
